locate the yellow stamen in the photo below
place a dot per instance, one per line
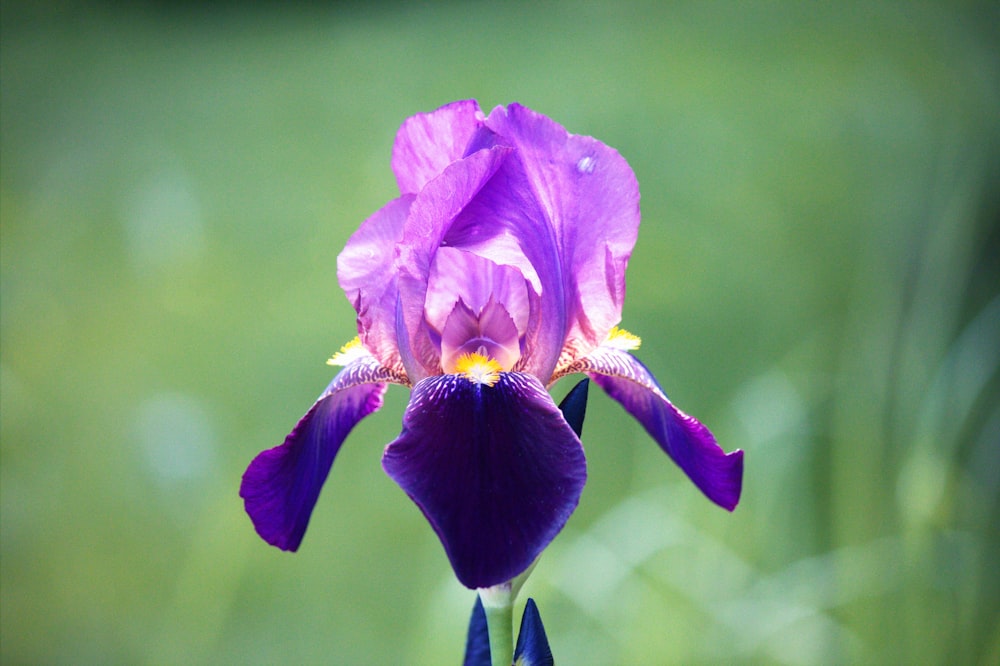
(478, 368)
(348, 353)
(621, 339)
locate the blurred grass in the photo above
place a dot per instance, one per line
(816, 278)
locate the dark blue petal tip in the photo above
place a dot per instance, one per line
(477, 643)
(574, 406)
(532, 644)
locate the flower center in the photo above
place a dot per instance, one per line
(478, 367)
(489, 333)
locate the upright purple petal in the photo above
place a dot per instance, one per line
(281, 485)
(504, 224)
(429, 218)
(689, 443)
(429, 142)
(590, 197)
(459, 275)
(367, 275)
(496, 470)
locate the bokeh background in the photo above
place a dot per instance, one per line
(816, 278)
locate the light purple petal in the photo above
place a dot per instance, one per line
(430, 216)
(590, 197)
(281, 485)
(366, 273)
(505, 225)
(689, 443)
(496, 470)
(460, 275)
(491, 333)
(429, 142)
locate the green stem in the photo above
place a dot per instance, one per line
(500, 623)
(498, 602)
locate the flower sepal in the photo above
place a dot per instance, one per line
(492, 615)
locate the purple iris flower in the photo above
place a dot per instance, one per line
(498, 270)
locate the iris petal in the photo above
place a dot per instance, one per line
(281, 485)
(428, 142)
(458, 275)
(590, 197)
(689, 443)
(496, 470)
(367, 276)
(438, 202)
(504, 224)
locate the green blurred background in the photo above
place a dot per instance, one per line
(816, 278)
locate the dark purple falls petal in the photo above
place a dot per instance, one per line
(496, 470)
(689, 443)
(281, 485)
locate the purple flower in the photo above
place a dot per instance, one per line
(499, 270)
